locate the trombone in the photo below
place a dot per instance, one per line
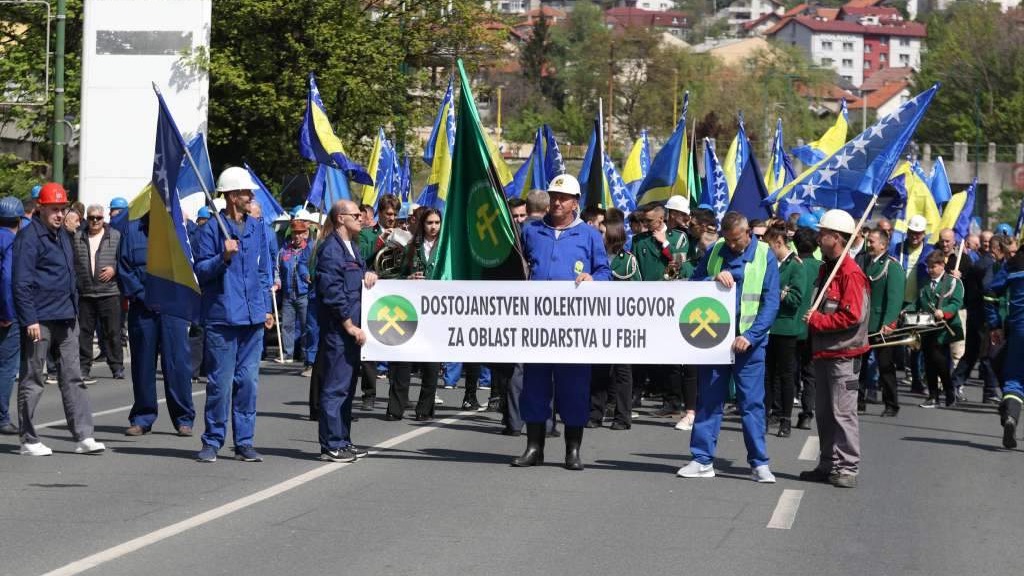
(912, 326)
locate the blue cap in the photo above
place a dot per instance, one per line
(118, 203)
(1005, 229)
(818, 212)
(807, 220)
(204, 212)
(295, 210)
(35, 191)
(11, 207)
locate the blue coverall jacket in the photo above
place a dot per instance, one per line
(235, 293)
(44, 275)
(577, 249)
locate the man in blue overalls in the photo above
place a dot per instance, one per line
(735, 260)
(560, 247)
(1008, 328)
(235, 273)
(340, 275)
(150, 334)
(11, 211)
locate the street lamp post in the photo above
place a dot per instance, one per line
(58, 100)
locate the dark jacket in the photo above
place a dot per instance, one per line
(886, 280)
(131, 259)
(44, 275)
(89, 285)
(6, 285)
(235, 293)
(653, 258)
(339, 283)
(624, 266)
(948, 296)
(792, 283)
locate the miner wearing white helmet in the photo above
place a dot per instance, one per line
(912, 253)
(559, 247)
(235, 272)
(839, 337)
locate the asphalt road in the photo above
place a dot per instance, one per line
(937, 495)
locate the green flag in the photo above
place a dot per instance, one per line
(478, 240)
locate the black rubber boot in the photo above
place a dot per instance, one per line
(785, 428)
(1009, 412)
(534, 454)
(573, 439)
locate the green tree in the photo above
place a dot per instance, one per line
(977, 53)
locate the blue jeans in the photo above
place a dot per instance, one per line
(233, 358)
(149, 334)
(453, 371)
(293, 315)
(748, 375)
(10, 354)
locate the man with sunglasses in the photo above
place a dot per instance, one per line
(99, 300)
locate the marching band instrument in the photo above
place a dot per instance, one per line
(912, 326)
(388, 261)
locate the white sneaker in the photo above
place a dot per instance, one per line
(762, 475)
(685, 423)
(696, 470)
(36, 449)
(89, 446)
(438, 401)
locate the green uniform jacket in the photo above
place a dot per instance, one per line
(624, 267)
(811, 266)
(419, 262)
(887, 281)
(793, 284)
(947, 296)
(368, 243)
(650, 259)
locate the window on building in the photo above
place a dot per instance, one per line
(881, 58)
(867, 48)
(884, 41)
(826, 44)
(847, 78)
(904, 42)
(905, 59)
(847, 63)
(826, 61)
(847, 46)
(867, 64)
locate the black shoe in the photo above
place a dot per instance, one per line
(8, 429)
(471, 405)
(534, 453)
(355, 451)
(1010, 434)
(368, 402)
(803, 422)
(511, 432)
(573, 440)
(336, 456)
(773, 419)
(815, 475)
(593, 423)
(862, 408)
(1009, 412)
(119, 375)
(391, 417)
(620, 426)
(423, 418)
(889, 412)
(992, 400)
(784, 428)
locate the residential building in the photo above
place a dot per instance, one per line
(672, 22)
(742, 11)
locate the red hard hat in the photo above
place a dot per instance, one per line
(52, 193)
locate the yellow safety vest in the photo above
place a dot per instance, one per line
(753, 281)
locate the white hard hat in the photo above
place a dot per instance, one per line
(838, 221)
(917, 223)
(412, 207)
(306, 215)
(565, 184)
(235, 178)
(679, 204)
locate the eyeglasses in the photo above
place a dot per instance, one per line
(95, 218)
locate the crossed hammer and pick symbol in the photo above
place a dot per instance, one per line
(391, 320)
(704, 320)
(485, 222)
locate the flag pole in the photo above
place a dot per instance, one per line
(199, 177)
(846, 250)
(960, 252)
(277, 324)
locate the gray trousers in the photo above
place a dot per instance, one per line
(62, 339)
(838, 380)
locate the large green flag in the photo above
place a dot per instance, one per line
(478, 240)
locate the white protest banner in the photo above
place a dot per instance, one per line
(549, 322)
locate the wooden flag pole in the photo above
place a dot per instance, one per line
(960, 252)
(277, 324)
(846, 250)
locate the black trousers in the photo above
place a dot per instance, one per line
(885, 359)
(668, 380)
(690, 387)
(806, 376)
(936, 367)
(368, 375)
(780, 375)
(471, 372)
(501, 383)
(106, 312)
(976, 350)
(400, 375)
(615, 381)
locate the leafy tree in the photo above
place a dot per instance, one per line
(978, 55)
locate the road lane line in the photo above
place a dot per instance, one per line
(113, 553)
(63, 422)
(810, 450)
(785, 510)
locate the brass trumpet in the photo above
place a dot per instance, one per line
(388, 261)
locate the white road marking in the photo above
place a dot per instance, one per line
(785, 510)
(810, 450)
(89, 562)
(63, 422)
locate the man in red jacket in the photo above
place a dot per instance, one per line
(839, 337)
